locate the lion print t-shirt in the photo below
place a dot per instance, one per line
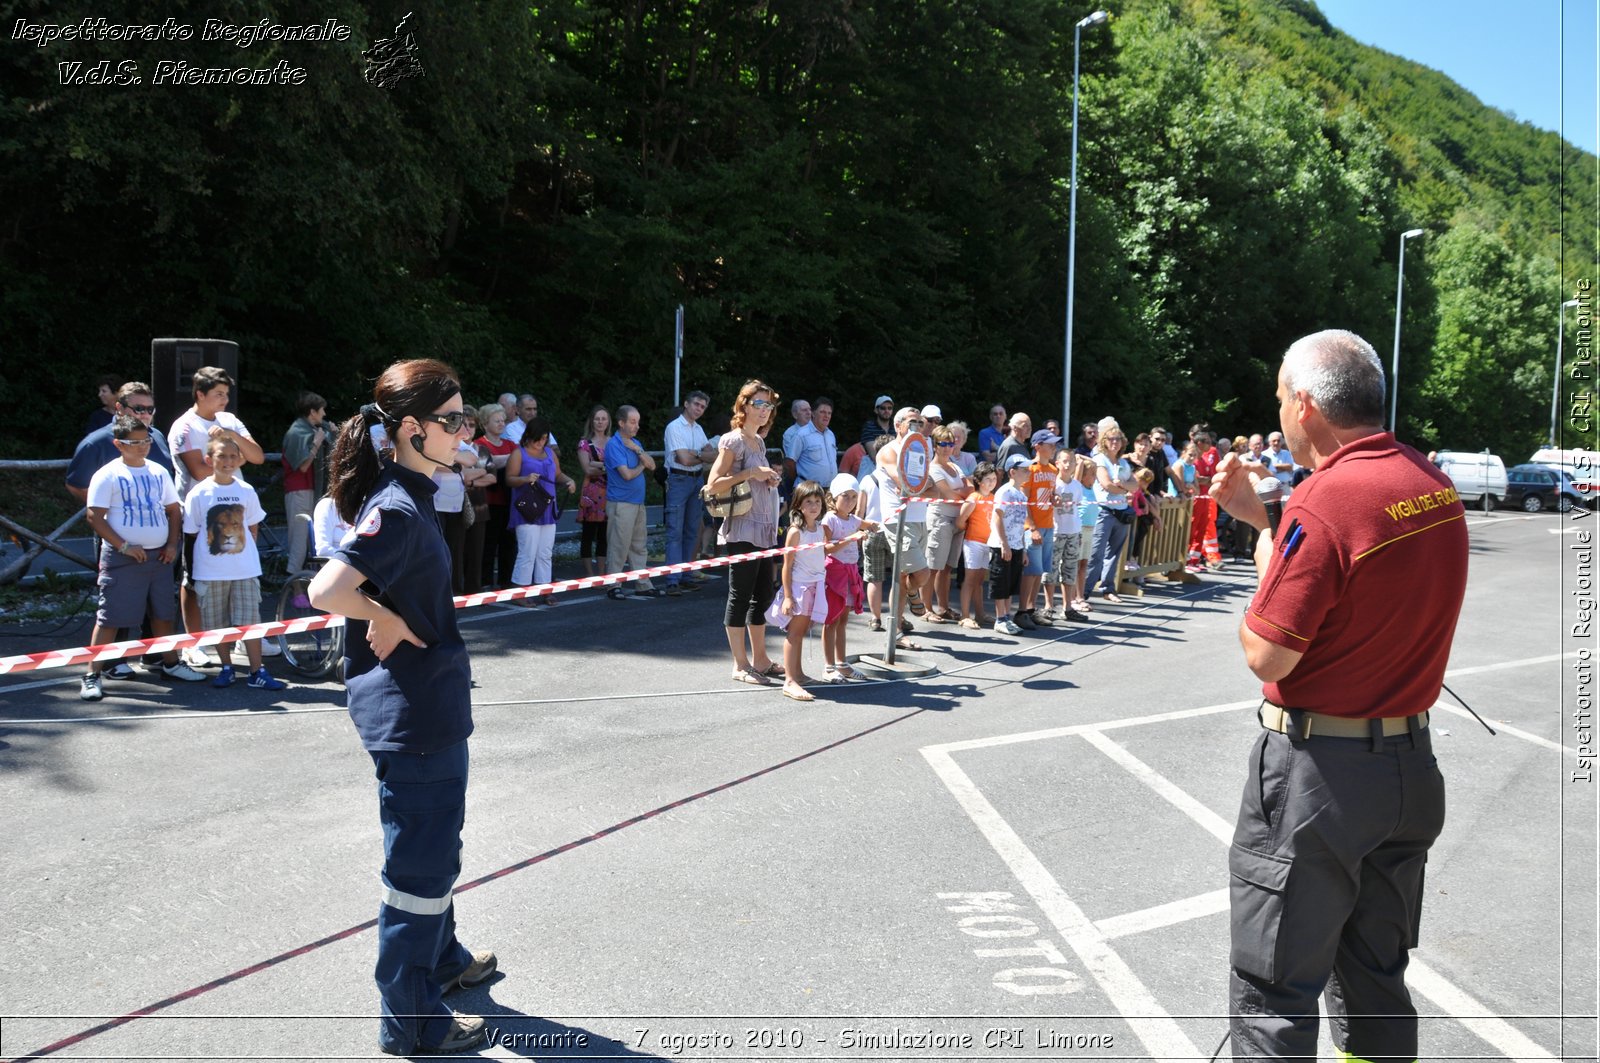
(220, 517)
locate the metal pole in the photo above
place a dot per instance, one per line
(1555, 390)
(894, 579)
(1072, 242)
(1399, 288)
(1394, 370)
(677, 357)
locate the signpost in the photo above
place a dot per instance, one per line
(914, 466)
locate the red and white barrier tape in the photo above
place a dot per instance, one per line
(112, 651)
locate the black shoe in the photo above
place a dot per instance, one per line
(617, 594)
(672, 590)
(1025, 621)
(466, 1031)
(648, 592)
(479, 971)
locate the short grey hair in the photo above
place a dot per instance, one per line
(1341, 373)
(702, 396)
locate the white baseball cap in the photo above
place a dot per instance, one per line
(842, 483)
(932, 411)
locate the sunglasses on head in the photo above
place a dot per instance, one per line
(453, 421)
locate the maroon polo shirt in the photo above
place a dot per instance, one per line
(1371, 590)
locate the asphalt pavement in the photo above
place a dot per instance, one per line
(1022, 856)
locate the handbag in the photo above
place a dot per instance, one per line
(533, 502)
(736, 503)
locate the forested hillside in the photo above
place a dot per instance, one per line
(849, 197)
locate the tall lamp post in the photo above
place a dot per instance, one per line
(1095, 19)
(1399, 289)
(1555, 392)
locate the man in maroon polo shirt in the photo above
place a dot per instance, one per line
(1349, 631)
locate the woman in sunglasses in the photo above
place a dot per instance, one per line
(407, 680)
(742, 459)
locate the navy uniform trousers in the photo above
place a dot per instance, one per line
(422, 802)
(1326, 874)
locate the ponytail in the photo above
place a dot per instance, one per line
(354, 468)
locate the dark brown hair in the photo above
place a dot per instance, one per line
(406, 389)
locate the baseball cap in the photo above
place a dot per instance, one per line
(1044, 435)
(932, 411)
(1016, 461)
(842, 483)
(881, 399)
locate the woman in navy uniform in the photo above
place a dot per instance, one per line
(408, 683)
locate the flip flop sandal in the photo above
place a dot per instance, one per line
(903, 643)
(754, 678)
(935, 617)
(795, 692)
(773, 671)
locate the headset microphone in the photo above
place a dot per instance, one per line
(1270, 491)
(417, 445)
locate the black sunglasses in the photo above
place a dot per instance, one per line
(139, 409)
(453, 421)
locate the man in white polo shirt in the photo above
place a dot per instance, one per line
(914, 539)
(689, 455)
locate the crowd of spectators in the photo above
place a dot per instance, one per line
(1023, 524)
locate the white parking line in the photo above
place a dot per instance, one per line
(1090, 941)
(1149, 1021)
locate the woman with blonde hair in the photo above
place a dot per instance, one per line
(742, 459)
(592, 503)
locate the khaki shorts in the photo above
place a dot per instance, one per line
(880, 552)
(944, 542)
(1068, 553)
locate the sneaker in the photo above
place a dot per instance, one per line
(271, 647)
(699, 577)
(1041, 619)
(647, 592)
(466, 1031)
(672, 590)
(194, 657)
(477, 972)
(692, 584)
(261, 679)
(120, 670)
(224, 678)
(1006, 627)
(179, 670)
(617, 594)
(1075, 617)
(1024, 622)
(89, 688)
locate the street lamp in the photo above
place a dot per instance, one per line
(1095, 19)
(1399, 287)
(1555, 392)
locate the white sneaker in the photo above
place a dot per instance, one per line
(1006, 627)
(89, 688)
(182, 671)
(271, 647)
(119, 670)
(194, 657)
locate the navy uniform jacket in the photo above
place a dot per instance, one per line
(418, 700)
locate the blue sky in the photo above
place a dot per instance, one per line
(1508, 53)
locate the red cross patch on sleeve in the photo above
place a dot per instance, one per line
(370, 526)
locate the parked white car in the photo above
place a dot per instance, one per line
(1474, 474)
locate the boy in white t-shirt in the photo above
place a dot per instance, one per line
(224, 515)
(1069, 534)
(188, 438)
(133, 508)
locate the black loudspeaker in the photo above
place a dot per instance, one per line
(173, 363)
